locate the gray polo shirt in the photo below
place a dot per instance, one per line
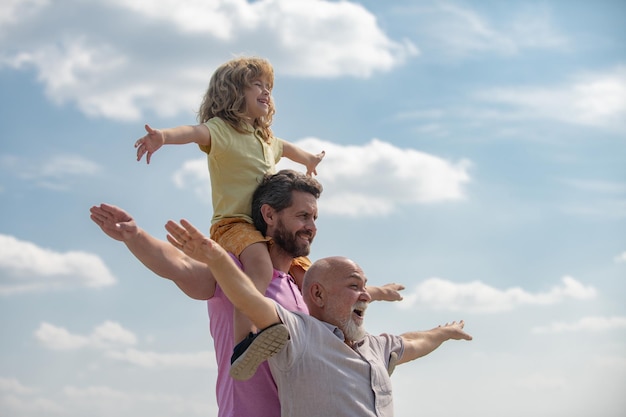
(318, 375)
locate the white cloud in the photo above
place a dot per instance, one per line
(363, 180)
(145, 359)
(96, 392)
(15, 405)
(17, 399)
(542, 382)
(377, 178)
(26, 267)
(604, 187)
(115, 340)
(612, 362)
(195, 174)
(440, 294)
(108, 334)
(53, 167)
(149, 61)
(110, 401)
(586, 324)
(591, 99)
(621, 258)
(459, 32)
(216, 18)
(13, 11)
(99, 400)
(12, 385)
(54, 171)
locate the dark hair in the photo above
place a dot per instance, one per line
(276, 191)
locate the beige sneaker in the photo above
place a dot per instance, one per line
(255, 349)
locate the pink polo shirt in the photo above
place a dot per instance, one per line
(258, 396)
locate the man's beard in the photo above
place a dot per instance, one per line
(353, 332)
(288, 242)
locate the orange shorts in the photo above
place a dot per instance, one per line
(236, 234)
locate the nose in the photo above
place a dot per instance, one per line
(365, 296)
(311, 227)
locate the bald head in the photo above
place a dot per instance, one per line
(326, 270)
(323, 279)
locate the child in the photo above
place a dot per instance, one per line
(234, 131)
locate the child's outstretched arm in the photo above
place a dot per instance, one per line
(296, 154)
(155, 138)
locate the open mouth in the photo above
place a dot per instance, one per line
(359, 310)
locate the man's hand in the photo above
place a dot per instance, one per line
(455, 331)
(114, 221)
(388, 292)
(192, 242)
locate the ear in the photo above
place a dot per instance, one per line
(318, 294)
(269, 214)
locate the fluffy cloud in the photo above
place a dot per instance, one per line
(113, 401)
(350, 173)
(108, 334)
(18, 400)
(14, 386)
(54, 172)
(459, 31)
(26, 267)
(440, 294)
(586, 324)
(150, 60)
(115, 341)
(591, 99)
(146, 359)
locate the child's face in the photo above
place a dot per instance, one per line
(258, 97)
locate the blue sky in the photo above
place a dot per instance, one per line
(475, 153)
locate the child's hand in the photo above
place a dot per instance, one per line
(150, 143)
(312, 165)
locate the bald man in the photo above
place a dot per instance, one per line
(330, 366)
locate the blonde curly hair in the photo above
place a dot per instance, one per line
(225, 97)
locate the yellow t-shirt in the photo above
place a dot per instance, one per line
(237, 162)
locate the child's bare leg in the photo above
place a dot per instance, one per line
(250, 352)
(258, 266)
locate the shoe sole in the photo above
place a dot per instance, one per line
(265, 345)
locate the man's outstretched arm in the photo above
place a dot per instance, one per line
(192, 277)
(387, 292)
(237, 286)
(418, 344)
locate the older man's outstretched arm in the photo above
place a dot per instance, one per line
(237, 286)
(418, 344)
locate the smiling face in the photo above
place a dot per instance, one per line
(294, 229)
(336, 288)
(258, 99)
